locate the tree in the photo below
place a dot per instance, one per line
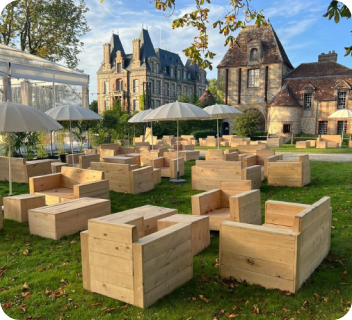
(247, 124)
(94, 106)
(216, 89)
(338, 10)
(143, 101)
(50, 29)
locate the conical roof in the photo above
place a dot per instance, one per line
(206, 98)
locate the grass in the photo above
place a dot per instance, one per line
(52, 269)
(292, 148)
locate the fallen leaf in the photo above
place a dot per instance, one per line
(316, 296)
(25, 252)
(204, 299)
(326, 299)
(25, 286)
(231, 315)
(106, 310)
(42, 269)
(255, 309)
(7, 305)
(284, 309)
(26, 295)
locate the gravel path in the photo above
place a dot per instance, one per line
(329, 157)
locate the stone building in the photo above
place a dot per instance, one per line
(158, 75)
(257, 74)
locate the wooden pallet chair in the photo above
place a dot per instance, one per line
(157, 152)
(126, 178)
(168, 165)
(329, 141)
(85, 160)
(234, 201)
(122, 261)
(220, 155)
(207, 175)
(284, 251)
(289, 173)
(71, 183)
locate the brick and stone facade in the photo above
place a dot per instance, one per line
(158, 73)
(257, 74)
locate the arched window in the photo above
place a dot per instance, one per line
(254, 54)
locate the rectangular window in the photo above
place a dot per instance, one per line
(286, 128)
(119, 68)
(166, 93)
(200, 93)
(151, 67)
(135, 85)
(341, 125)
(308, 101)
(157, 68)
(253, 78)
(106, 105)
(323, 127)
(134, 105)
(152, 87)
(158, 87)
(341, 101)
(184, 75)
(157, 103)
(172, 90)
(179, 91)
(178, 74)
(152, 103)
(106, 87)
(171, 72)
(190, 93)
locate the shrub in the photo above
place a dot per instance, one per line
(246, 124)
(203, 133)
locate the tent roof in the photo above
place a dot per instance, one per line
(31, 67)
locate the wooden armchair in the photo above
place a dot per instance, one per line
(71, 183)
(236, 141)
(234, 201)
(289, 173)
(146, 157)
(217, 154)
(168, 165)
(207, 175)
(22, 170)
(209, 141)
(85, 160)
(69, 158)
(188, 139)
(126, 179)
(114, 149)
(120, 261)
(90, 151)
(329, 141)
(283, 252)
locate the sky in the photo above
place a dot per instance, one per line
(299, 24)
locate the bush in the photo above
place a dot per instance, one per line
(203, 133)
(246, 124)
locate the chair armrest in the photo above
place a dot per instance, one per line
(206, 202)
(95, 189)
(246, 207)
(173, 167)
(47, 182)
(157, 162)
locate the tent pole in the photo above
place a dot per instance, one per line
(71, 143)
(10, 170)
(343, 129)
(51, 142)
(178, 172)
(217, 124)
(152, 136)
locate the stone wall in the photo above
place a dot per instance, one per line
(280, 115)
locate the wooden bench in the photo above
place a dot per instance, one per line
(234, 201)
(200, 229)
(220, 155)
(16, 207)
(207, 175)
(236, 141)
(275, 142)
(283, 252)
(22, 170)
(168, 165)
(329, 141)
(150, 265)
(71, 183)
(56, 166)
(123, 178)
(67, 218)
(289, 173)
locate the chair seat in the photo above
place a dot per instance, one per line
(276, 226)
(165, 171)
(57, 195)
(217, 216)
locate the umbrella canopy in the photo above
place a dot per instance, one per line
(222, 111)
(139, 117)
(16, 117)
(72, 113)
(177, 111)
(342, 114)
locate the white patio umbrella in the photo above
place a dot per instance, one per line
(341, 114)
(72, 113)
(222, 111)
(177, 111)
(139, 117)
(16, 117)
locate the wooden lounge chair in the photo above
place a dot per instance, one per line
(168, 165)
(329, 141)
(218, 154)
(71, 183)
(233, 201)
(283, 252)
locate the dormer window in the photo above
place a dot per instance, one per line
(308, 100)
(254, 54)
(152, 67)
(171, 72)
(341, 100)
(189, 76)
(119, 68)
(157, 68)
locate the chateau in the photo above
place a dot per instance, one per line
(257, 74)
(158, 75)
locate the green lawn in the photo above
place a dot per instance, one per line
(292, 148)
(52, 269)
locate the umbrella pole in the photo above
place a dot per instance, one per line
(343, 129)
(51, 143)
(152, 136)
(10, 171)
(178, 172)
(217, 125)
(71, 143)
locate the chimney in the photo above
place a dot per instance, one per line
(106, 61)
(328, 57)
(136, 53)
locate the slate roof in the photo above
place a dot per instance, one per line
(319, 69)
(192, 69)
(273, 50)
(207, 98)
(284, 98)
(115, 45)
(146, 46)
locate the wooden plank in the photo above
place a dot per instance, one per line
(105, 275)
(113, 263)
(112, 248)
(85, 260)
